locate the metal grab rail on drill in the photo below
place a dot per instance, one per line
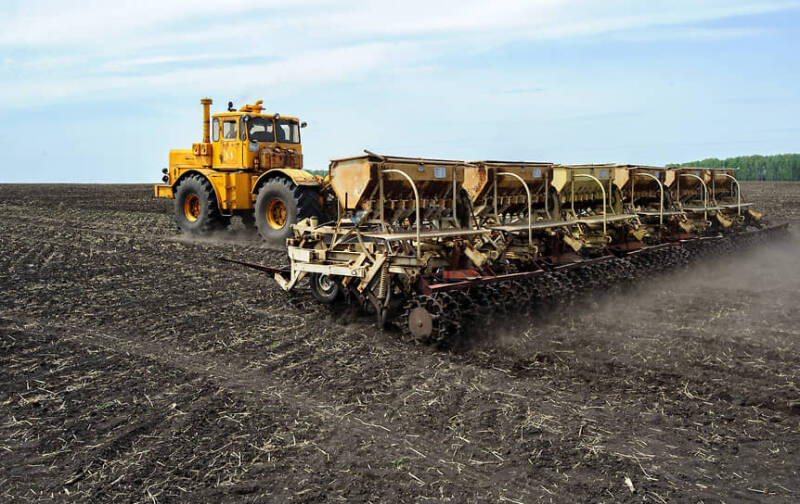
(705, 193)
(547, 197)
(602, 188)
(738, 193)
(660, 187)
(416, 204)
(455, 197)
(546, 194)
(528, 192)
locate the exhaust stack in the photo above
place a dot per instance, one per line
(206, 117)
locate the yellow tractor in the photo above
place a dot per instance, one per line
(249, 164)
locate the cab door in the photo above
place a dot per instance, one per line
(231, 145)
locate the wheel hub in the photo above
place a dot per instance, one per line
(192, 207)
(276, 214)
(325, 283)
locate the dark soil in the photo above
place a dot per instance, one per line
(135, 366)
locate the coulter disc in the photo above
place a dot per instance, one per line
(420, 323)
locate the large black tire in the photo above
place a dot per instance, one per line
(248, 220)
(279, 204)
(195, 208)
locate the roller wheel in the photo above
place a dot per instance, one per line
(196, 209)
(451, 318)
(279, 204)
(422, 320)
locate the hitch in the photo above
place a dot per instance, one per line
(269, 269)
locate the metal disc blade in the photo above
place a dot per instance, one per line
(420, 323)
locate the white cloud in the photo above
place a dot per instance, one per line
(80, 49)
(325, 65)
(55, 22)
(101, 22)
(688, 34)
(133, 63)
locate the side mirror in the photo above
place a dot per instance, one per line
(303, 124)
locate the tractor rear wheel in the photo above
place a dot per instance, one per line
(279, 204)
(195, 209)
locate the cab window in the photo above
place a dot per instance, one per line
(215, 130)
(288, 131)
(261, 130)
(229, 130)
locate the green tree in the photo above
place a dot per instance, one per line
(774, 167)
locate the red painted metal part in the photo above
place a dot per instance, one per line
(463, 279)
(427, 288)
(463, 274)
(629, 246)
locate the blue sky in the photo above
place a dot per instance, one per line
(100, 91)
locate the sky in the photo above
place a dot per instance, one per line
(99, 91)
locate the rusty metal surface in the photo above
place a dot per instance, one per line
(355, 181)
(492, 193)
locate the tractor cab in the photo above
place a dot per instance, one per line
(249, 139)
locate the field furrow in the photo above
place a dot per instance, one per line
(138, 367)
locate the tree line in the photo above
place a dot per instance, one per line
(775, 167)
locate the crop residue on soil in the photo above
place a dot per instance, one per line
(137, 367)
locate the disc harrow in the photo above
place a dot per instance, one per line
(423, 320)
(470, 312)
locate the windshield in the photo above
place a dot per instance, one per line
(288, 131)
(261, 129)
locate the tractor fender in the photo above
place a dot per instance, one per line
(205, 176)
(297, 176)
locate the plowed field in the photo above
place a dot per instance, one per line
(136, 367)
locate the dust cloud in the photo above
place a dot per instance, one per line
(232, 236)
(746, 297)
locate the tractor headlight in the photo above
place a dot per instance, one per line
(165, 178)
